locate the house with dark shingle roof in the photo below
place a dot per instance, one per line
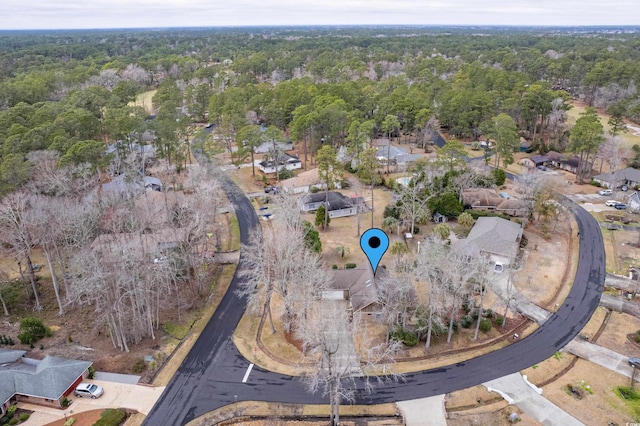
(568, 162)
(534, 161)
(497, 238)
(336, 203)
(284, 160)
(44, 382)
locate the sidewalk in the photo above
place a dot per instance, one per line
(424, 412)
(518, 392)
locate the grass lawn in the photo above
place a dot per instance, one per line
(144, 100)
(574, 113)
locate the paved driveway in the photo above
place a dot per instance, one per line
(121, 395)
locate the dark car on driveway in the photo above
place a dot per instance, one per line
(271, 190)
(620, 206)
(634, 362)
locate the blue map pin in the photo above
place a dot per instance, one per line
(374, 243)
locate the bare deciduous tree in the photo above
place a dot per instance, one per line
(330, 339)
(17, 233)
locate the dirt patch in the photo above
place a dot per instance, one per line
(86, 418)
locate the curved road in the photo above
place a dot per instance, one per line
(212, 373)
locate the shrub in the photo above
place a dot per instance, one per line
(24, 417)
(499, 321)
(488, 313)
(14, 421)
(70, 421)
(32, 330)
(465, 304)
(485, 325)
(66, 402)
(284, 174)
(410, 338)
(636, 338)
(138, 366)
(466, 321)
(111, 417)
(594, 183)
(350, 266)
(314, 190)
(334, 266)
(92, 372)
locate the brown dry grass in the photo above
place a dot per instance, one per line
(86, 418)
(145, 100)
(243, 412)
(603, 406)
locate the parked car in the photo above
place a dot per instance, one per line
(89, 390)
(634, 362)
(499, 267)
(606, 192)
(271, 189)
(543, 168)
(611, 203)
(620, 206)
(624, 188)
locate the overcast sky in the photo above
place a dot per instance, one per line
(61, 14)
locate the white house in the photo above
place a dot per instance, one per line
(285, 161)
(338, 205)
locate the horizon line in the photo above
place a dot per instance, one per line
(201, 27)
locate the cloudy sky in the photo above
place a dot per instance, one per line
(58, 14)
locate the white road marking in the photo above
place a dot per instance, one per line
(246, 375)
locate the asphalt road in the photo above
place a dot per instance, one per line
(212, 374)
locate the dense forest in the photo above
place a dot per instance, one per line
(68, 117)
(70, 91)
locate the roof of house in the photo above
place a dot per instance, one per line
(48, 378)
(629, 174)
(539, 159)
(135, 244)
(485, 197)
(307, 178)
(494, 235)
(152, 181)
(336, 200)
(360, 282)
(571, 160)
(269, 145)
(283, 158)
(396, 153)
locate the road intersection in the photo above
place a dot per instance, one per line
(212, 374)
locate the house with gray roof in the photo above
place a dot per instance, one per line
(497, 238)
(44, 382)
(629, 177)
(396, 155)
(358, 286)
(336, 203)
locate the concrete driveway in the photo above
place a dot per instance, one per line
(116, 395)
